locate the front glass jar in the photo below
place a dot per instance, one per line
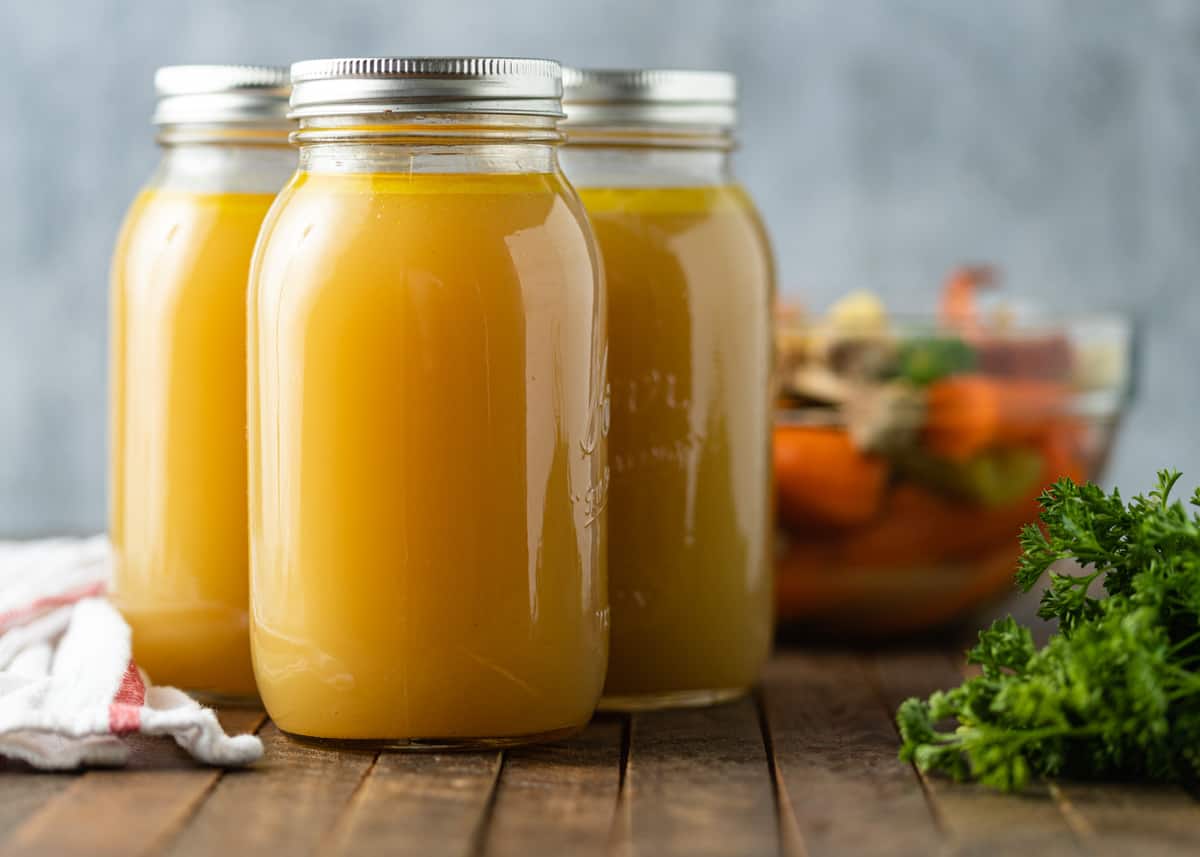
(428, 414)
(177, 374)
(690, 283)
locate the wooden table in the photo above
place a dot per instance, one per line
(807, 766)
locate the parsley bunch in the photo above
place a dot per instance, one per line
(1116, 691)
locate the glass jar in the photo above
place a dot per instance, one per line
(428, 414)
(690, 284)
(177, 338)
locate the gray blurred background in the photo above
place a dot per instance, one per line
(885, 141)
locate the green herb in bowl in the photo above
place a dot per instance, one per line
(1116, 690)
(924, 360)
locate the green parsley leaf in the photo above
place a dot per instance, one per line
(1116, 690)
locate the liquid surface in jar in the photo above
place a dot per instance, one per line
(178, 435)
(427, 458)
(689, 285)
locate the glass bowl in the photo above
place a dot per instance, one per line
(908, 454)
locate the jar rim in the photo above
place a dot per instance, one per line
(444, 85)
(649, 98)
(221, 94)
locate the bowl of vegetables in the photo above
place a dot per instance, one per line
(910, 450)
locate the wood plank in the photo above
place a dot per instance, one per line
(621, 835)
(24, 791)
(426, 805)
(125, 811)
(834, 751)
(113, 813)
(976, 820)
(559, 798)
(239, 721)
(287, 804)
(1122, 819)
(698, 783)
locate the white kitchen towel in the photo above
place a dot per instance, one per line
(69, 689)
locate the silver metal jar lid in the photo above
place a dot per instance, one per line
(220, 94)
(634, 98)
(373, 85)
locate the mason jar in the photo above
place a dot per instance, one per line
(177, 337)
(690, 289)
(428, 414)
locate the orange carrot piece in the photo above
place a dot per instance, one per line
(958, 307)
(970, 413)
(822, 478)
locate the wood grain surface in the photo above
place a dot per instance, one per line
(805, 766)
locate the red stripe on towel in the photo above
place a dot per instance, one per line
(21, 615)
(125, 712)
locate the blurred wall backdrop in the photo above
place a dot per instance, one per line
(884, 140)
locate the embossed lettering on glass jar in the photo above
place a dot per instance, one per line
(428, 414)
(177, 478)
(690, 284)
